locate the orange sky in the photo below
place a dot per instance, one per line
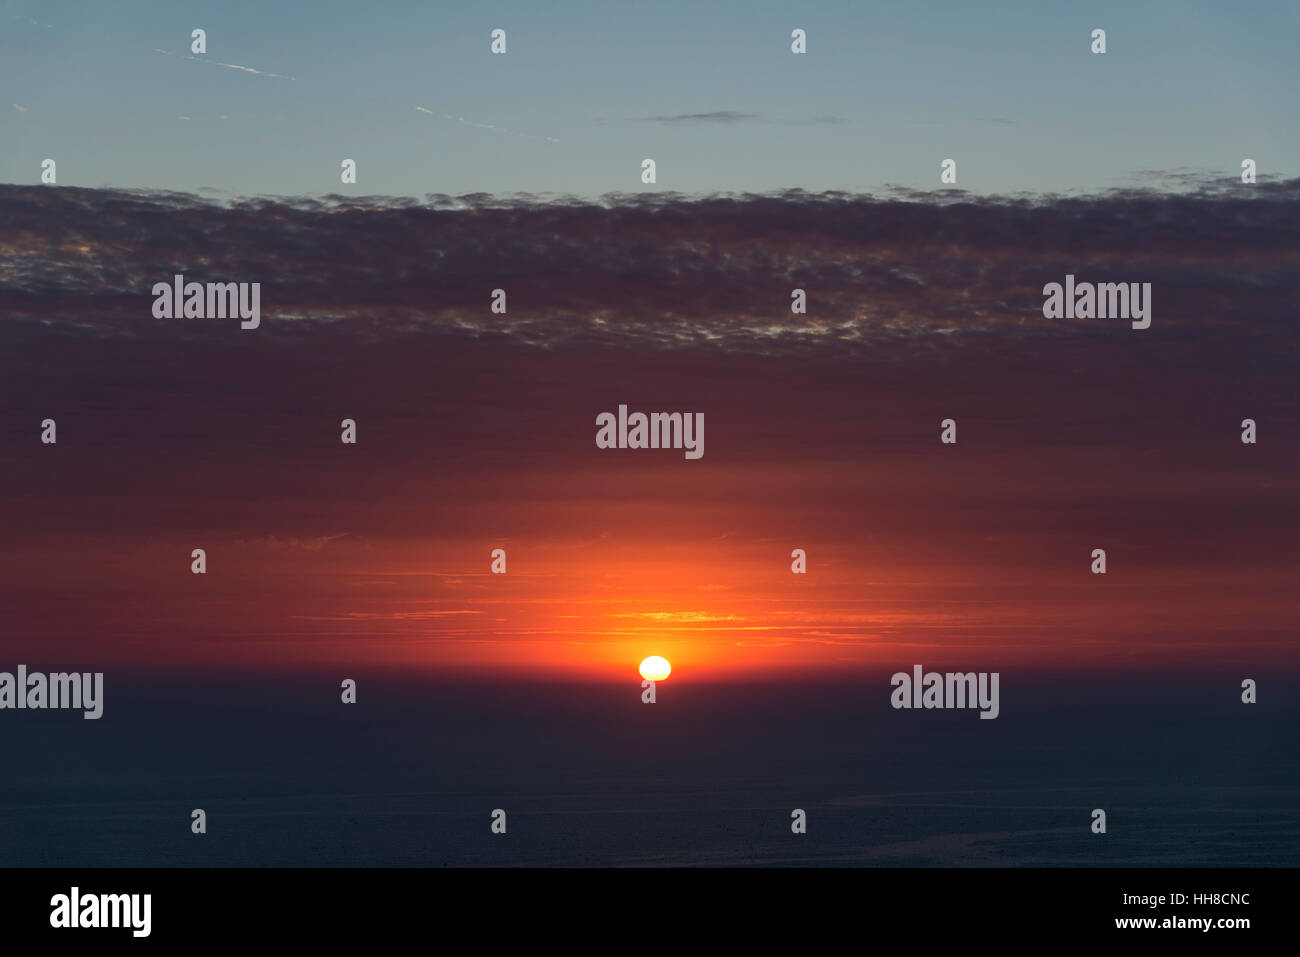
(822, 432)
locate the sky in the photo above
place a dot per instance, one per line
(822, 432)
(775, 171)
(586, 91)
(476, 430)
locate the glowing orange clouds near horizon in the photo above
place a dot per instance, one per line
(720, 611)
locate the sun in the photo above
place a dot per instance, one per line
(655, 668)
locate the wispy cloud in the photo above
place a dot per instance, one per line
(20, 109)
(313, 544)
(390, 615)
(728, 117)
(239, 116)
(488, 126)
(229, 66)
(684, 617)
(717, 116)
(1183, 175)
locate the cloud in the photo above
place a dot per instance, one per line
(489, 126)
(661, 271)
(822, 431)
(390, 615)
(1187, 178)
(21, 109)
(680, 617)
(230, 66)
(728, 117)
(312, 544)
(718, 116)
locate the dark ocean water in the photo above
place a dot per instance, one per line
(587, 775)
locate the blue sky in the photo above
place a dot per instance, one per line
(884, 94)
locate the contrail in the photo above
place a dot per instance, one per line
(489, 126)
(231, 66)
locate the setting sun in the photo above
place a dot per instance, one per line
(655, 668)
